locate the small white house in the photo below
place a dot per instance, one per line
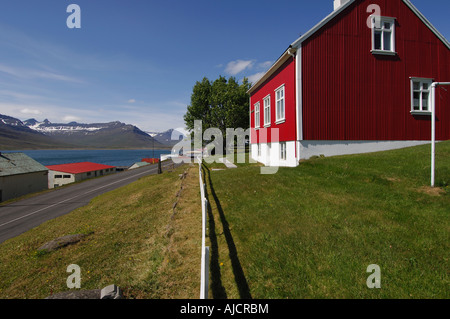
(69, 173)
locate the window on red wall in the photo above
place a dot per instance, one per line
(257, 117)
(267, 110)
(279, 100)
(420, 95)
(383, 35)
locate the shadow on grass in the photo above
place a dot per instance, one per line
(217, 288)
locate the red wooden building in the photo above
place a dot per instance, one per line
(359, 81)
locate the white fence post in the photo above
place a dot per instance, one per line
(204, 271)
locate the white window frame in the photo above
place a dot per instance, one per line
(283, 151)
(266, 102)
(257, 115)
(280, 104)
(421, 91)
(379, 25)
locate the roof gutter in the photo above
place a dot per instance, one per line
(290, 52)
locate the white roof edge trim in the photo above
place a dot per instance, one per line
(283, 58)
(298, 42)
(427, 22)
(346, 5)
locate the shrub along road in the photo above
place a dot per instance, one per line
(20, 216)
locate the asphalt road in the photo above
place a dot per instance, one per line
(20, 216)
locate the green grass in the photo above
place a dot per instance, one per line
(305, 232)
(135, 239)
(312, 231)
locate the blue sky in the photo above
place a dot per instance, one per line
(136, 61)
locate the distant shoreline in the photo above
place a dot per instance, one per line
(113, 157)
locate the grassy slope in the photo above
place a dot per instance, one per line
(137, 243)
(305, 232)
(311, 231)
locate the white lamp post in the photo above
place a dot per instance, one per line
(433, 125)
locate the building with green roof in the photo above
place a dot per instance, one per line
(21, 175)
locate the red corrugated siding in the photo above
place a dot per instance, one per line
(287, 130)
(350, 94)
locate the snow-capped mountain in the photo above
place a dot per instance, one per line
(49, 128)
(14, 134)
(96, 135)
(8, 120)
(169, 137)
(74, 135)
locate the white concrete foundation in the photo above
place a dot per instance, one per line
(269, 153)
(333, 148)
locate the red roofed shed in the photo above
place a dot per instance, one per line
(63, 174)
(151, 160)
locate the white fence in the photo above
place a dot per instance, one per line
(204, 277)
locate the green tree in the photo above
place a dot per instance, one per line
(200, 107)
(220, 104)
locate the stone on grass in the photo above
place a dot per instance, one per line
(62, 242)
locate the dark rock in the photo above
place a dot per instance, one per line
(62, 242)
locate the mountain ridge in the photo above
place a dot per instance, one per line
(32, 134)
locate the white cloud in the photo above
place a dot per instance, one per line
(36, 74)
(53, 112)
(146, 117)
(19, 95)
(30, 111)
(236, 67)
(255, 77)
(71, 118)
(265, 65)
(131, 101)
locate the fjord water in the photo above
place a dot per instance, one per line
(107, 157)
